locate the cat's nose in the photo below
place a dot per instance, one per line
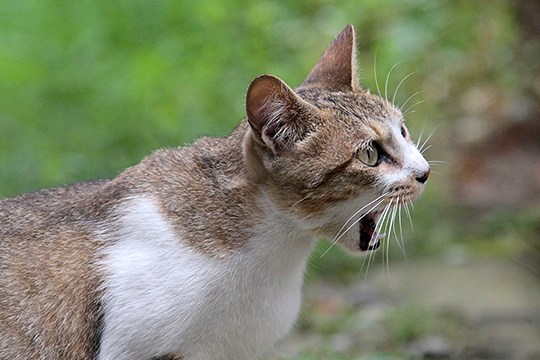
(422, 178)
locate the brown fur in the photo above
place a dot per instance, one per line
(49, 297)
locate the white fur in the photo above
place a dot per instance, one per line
(161, 296)
(413, 163)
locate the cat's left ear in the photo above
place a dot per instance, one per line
(336, 68)
(277, 115)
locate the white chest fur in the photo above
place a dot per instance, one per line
(162, 297)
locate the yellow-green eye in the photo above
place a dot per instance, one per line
(368, 155)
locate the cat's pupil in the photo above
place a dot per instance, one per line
(403, 131)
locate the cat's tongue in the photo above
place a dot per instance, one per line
(369, 239)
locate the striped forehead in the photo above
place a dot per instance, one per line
(383, 129)
(360, 110)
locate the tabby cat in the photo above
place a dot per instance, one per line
(198, 252)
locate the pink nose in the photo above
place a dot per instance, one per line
(422, 178)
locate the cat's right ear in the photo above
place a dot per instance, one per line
(277, 115)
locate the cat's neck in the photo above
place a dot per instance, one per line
(279, 239)
(214, 199)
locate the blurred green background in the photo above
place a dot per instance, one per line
(88, 88)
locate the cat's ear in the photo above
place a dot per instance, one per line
(337, 69)
(277, 115)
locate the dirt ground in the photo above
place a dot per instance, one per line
(423, 310)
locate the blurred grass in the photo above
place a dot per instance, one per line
(88, 88)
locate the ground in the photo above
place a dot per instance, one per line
(422, 310)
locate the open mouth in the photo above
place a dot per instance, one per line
(369, 238)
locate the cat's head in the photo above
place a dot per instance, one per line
(334, 156)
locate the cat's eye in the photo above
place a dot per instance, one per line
(369, 155)
(403, 131)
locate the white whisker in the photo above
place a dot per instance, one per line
(409, 109)
(409, 99)
(424, 150)
(339, 236)
(392, 224)
(399, 85)
(386, 82)
(425, 141)
(359, 211)
(402, 242)
(409, 113)
(388, 231)
(420, 137)
(408, 213)
(376, 231)
(378, 228)
(296, 203)
(375, 73)
(370, 257)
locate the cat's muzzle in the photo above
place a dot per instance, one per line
(369, 238)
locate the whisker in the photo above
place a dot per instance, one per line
(377, 230)
(399, 85)
(359, 211)
(364, 259)
(409, 99)
(339, 236)
(409, 113)
(426, 149)
(408, 213)
(386, 82)
(296, 203)
(378, 227)
(370, 257)
(420, 137)
(409, 109)
(383, 226)
(396, 210)
(425, 141)
(382, 218)
(389, 230)
(393, 230)
(375, 73)
(402, 242)
(317, 232)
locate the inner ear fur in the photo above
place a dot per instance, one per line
(276, 114)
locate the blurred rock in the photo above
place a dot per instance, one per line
(502, 168)
(361, 294)
(431, 347)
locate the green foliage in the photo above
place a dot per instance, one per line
(89, 87)
(410, 323)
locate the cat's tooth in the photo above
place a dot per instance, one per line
(374, 246)
(376, 237)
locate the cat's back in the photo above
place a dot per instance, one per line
(48, 280)
(32, 209)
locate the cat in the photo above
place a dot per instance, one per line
(199, 252)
